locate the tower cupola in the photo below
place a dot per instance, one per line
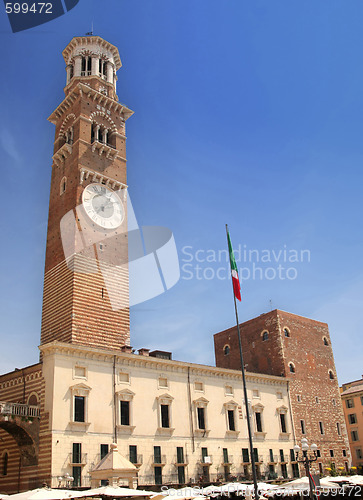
(93, 61)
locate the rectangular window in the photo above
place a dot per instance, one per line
(180, 455)
(271, 456)
(133, 453)
(359, 453)
(321, 427)
(231, 423)
(282, 456)
(198, 386)
(295, 470)
(164, 415)
(354, 435)
(349, 403)
(344, 453)
(77, 453)
(284, 471)
(292, 456)
(258, 421)
(331, 453)
(225, 455)
(158, 472)
(339, 429)
(298, 397)
(103, 450)
(157, 454)
(204, 453)
(283, 422)
(79, 407)
(181, 474)
(125, 412)
(255, 454)
(245, 455)
(201, 418)
(302, 423)
(318, 454)
(352, 418)
(77, 476)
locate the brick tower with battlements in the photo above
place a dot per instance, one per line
(85, 293)
(284, 344)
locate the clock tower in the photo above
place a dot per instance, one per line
(86, 275)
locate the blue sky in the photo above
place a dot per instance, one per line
(247, 113)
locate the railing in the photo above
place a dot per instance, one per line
(17, 409)
(77, 459)
(283, 458)
(103, 143)
(207, 460)
(177, 460)
(158, 459)
(272, 459)
(227, 460)
(136, 460)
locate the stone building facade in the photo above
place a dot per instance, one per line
(298, 348)
(352, 400)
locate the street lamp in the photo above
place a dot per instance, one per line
(68, 480)
(307, 459)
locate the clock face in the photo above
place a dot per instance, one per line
(103, 206)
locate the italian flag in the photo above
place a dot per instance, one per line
(234, 272)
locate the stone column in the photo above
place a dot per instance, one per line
(77, 65)
(94, 70)
(69, 67)
(109, 72)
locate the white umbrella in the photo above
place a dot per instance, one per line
(355, 479)
(115, 492)
(186, 493)
(45, 494)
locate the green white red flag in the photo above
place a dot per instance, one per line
(234, 270)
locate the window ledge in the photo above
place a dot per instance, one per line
(101, 147)
(201, 432)
(260, 435)
(166, 431)
(232, 434)
(80, 424)
(284, 435)
(125, 429)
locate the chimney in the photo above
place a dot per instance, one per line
(126, 348)
(143, 351)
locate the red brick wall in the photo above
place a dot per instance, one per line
(312, 360)
(76, 306)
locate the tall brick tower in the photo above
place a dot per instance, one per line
(85, 295)
(286, 345)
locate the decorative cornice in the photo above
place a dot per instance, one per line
(166, 365)
(79, 41)
(81, 89)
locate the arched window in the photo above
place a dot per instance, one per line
(264, 335)
(86, 66)
(331, 375)
(63, 185)
(325, 340)
(292, 367)
(226, 350)
(33, 400)
(286, 332)
(5, 463)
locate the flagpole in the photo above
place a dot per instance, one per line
(253, 463)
